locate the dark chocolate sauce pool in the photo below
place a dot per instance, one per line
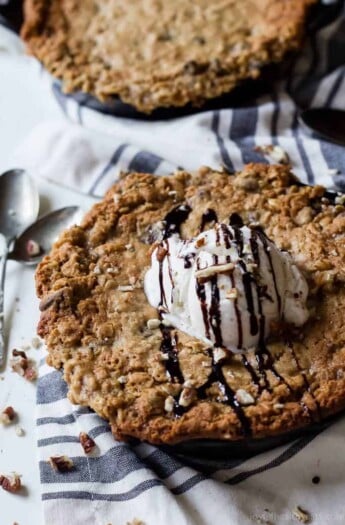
(254, 293)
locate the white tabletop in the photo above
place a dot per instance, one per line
(18, 454)
(17, 117)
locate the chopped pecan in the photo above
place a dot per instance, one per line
(7, 416)
(49, 300)
(30, 373)
(61, 463)
(23, 366)
(86, 442)
(11, 483)
(19, 353)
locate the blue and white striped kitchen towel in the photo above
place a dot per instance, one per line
(119, 483)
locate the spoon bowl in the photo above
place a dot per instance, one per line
(36, 241)
(19, 202)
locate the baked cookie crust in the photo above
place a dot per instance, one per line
(100, 328)
(154, 53)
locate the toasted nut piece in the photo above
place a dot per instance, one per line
(19, 365)
(86, 442)
(61, 463)
(152, 324)
(302, 515)
(30, 373)
(7, 416)
(219, 354)
(244, 397)
(212, 270)
(187, 397)
(126, 288)
(11, 483)
(169, 404)
(19, 353)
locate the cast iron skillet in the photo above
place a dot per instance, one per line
(250, 89)
(216, 449)
(208, 450)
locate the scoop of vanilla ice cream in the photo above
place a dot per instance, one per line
(226, 286)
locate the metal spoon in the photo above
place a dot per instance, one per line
(328, 123)
(36, 241)
(19, 204)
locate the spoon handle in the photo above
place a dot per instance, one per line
(3, 261)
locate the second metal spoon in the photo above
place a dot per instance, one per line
(36, 241)
(19, 203)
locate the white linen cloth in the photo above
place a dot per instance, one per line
(85, 151)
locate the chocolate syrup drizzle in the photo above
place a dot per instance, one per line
(228, 395)
(174, 220)
(212, 315)
(208, 216)
(314, 415)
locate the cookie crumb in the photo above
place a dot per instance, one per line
(36, 343)
(20, 431)
(274, 152)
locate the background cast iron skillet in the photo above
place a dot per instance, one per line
(320, 15)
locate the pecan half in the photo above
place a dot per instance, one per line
(86, 442)
(52, 298)
(61, 463)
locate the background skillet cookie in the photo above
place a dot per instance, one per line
(99, 326)
(156, 53)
